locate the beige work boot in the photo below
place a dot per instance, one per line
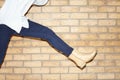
(86, 56)
(82, 57)
(80, 63)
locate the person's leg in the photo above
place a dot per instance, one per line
(5, 35)
(39, 31)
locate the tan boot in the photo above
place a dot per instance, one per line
(80, 63)
(81, 58)
(86, 56)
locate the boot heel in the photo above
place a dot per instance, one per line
(80, 63)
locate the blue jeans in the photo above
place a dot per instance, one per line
(35, 30)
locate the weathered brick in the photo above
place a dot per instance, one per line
(14, 50)
(69, 76)
(88, 36)
(51, 9)
(14, 77)
(114, 29)
(112, 56)
(97, 2)
(95, 69)
(107, 36)
(118, 22)
(79, 15)
(67, 63)
(97, 15)
(22, 57)
(41, 16)
(33, 77)
(88, 22)
(113, 2)
(87, 76)
(79, 29)
(8, 57)
(98, 29)
(106, 22)
(105, 50)
(32, 63)
(50, 77)
(70, 36)
(117, 76)
(40, 57)
(6, 70)
(14, 63)
(78, 2)
(48, 50)
(88, 9)
(22, 43)
(118, 9)
(70, 22)
(57, 57)
(40, 70)
(117, 62)
(69, 9)
(22, 70)
(106, 63)
(109, 76)
(59, 70)
(99, 56)
(2, 77)
(117, 49)
(112, 69)
(60, 15)
(59, 2)
(106, 9)
(114, 15)
(49, 22)
(78, 43)
(50, 63)
(96, 43)
(31, 50)
(112, 43)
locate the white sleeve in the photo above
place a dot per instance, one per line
(40, 2)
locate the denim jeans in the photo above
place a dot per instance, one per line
(35, 30)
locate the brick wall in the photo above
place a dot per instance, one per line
(80, 23)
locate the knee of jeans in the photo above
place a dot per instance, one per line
(49, 35)
(49, 31)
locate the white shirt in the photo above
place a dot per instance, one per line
(13, 11)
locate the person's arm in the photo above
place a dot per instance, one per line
(40, 2)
